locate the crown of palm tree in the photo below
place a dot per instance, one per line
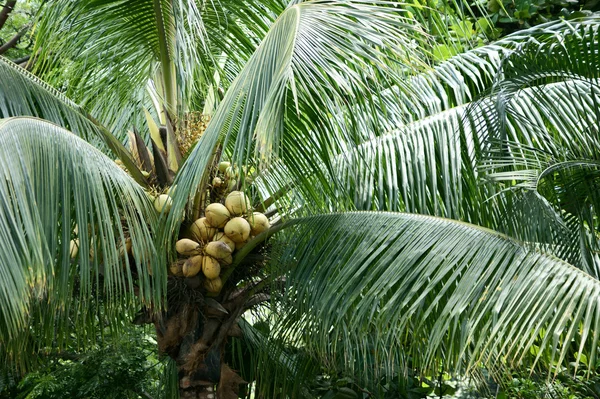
(437, 213)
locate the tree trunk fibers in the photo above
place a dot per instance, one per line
(195, 336)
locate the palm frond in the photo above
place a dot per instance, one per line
(381, 292)
(68, 212)
(118, 44)
(23, 94)
(542, 127)
(295, 69)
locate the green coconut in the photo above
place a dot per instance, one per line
(163, 202)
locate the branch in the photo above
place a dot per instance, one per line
(13, 42)
(9, 6)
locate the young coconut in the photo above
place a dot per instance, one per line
(163, 202)
(237, 203)
(240, 245)
(176, 268)
(214, 286)
(232, 185)
(223, 166)
(231, 173)
(237, 229)
(211, 267)
(258, 223)
(187, 247)
(217, 182)
(216, 215)
(202, 231)
(74, 248)
(220, 236)
(217, 249)
(192, 265)
(226, 261)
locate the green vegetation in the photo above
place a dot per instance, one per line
(429, 190)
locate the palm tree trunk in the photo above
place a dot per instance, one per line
(195, 335)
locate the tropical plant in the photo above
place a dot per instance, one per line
(423, 218)
(16, 18)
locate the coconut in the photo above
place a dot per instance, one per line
(214, 286)
(226, 261)
(192, 265)
(187, 247)
(217, 182)
(237, 203)
(163, 202)
(202, 231)
(216, 215)
(217, 249)
(237, 229)
(176, 268)
(232, 185)
(258, 223)
(74, 248)
(171, 190)
(220, 236)
(211, 267)
(125, 249)
(231, 173)
(223, 166)
(240, 245)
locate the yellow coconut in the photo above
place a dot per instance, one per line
(74, 248)
(193, 265)
(226, 261)
(237, 229)
(202, 231)
(176, 268)
(214, 286)
(258, 223)
(240, 245)
(223, 166)
(163, 202)
(125, 249)
(187, 247)
(216, 215)
(211, 267)
(217, 249)
(217, 182)
(237, 203)
(220, 236)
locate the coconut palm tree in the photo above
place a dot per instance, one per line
(422, 217)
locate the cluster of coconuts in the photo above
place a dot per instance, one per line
(214, 238)
(226, 177)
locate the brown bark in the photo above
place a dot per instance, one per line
(9, 6)
(195, 334)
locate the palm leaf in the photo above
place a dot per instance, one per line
(57, 188)
(294, 70)
(23, 94)
(119, 44)
(428, 289)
